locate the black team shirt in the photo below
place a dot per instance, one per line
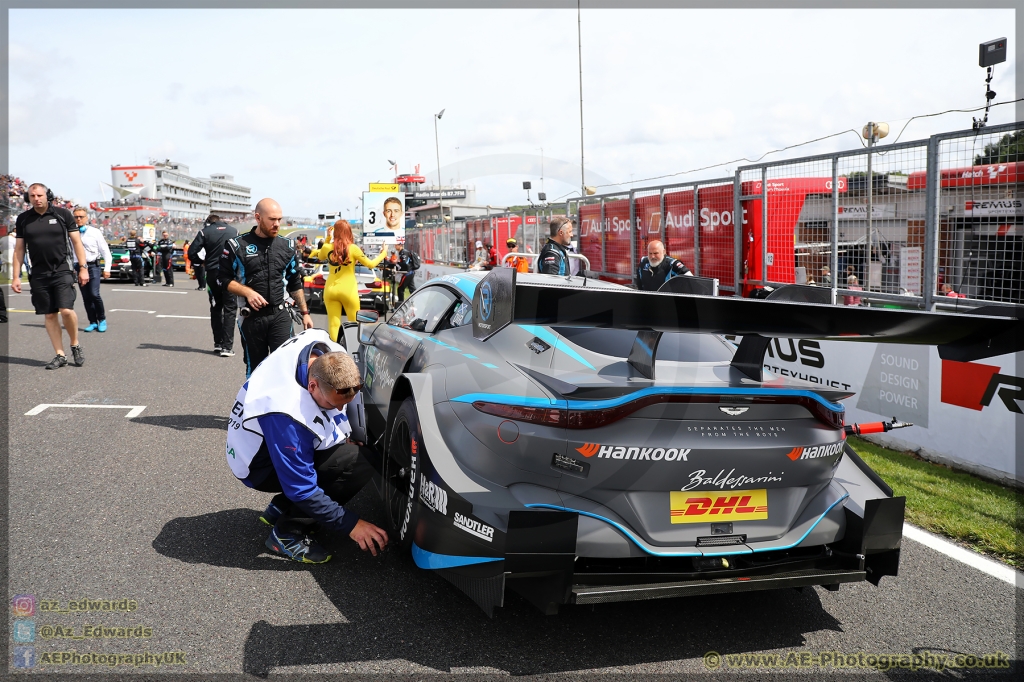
(46, 239)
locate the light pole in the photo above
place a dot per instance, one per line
(872, 132)
(541, 168)
(437, 151)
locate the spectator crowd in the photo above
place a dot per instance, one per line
(115, 225)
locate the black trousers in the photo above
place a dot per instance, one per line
(200, 271)
(407, 282)
(137, 271)
(3, 306)
(91, 295)
(262, 334)
(168, 271)
(223, 307)
(341, 472)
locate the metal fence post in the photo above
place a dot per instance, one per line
(834, 256)
(931, 224)
(696, 230)
(764, 225)
(737, 227)
(633, 231)
(604, 241)
(664, 217)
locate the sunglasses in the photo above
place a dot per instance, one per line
(346, 392)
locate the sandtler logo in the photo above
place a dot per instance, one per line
(622, 452)
(433, 496)
(474, 527)
(815, 452)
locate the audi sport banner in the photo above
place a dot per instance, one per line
(964, 413)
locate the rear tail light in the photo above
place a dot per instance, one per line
(376, 284)
(535, 415)
(318, 280)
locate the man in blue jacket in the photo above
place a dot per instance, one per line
(656, 268)
(288, 434)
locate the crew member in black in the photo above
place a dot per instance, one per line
(49, 233)
(554, 256)
(138, 252)
(656, 268)
(165, 247)
(259, 266)
(408, 263)
(214, 235)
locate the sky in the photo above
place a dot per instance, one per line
(308, 106)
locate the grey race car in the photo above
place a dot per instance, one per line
(580, 442)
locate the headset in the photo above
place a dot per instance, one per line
(49, 193)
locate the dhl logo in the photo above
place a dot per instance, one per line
(700, 507)
(588, 449)
(131, 175)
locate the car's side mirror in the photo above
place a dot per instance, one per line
(364, 318)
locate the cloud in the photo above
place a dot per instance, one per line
(660, 124)
(507, 130)
(33, 64)
(163, 150)
(41, 116)
(265, 124)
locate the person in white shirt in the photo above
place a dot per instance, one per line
(96, 252)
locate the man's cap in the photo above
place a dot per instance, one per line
(510, 242)
(479, 244)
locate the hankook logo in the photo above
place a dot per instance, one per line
(733, 411)
(816, 451)
(623, 452)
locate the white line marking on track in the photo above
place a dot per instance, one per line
(144, 290)
(188, 317)
(134, 410)
(128, 310)
(965, 556)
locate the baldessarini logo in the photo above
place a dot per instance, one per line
(433, 496)
(816, 451)
(623, 452)
(474, 527)
(700, 479)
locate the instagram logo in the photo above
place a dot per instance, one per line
(24, 605)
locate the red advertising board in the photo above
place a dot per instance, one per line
(990, 174)
(606, 243)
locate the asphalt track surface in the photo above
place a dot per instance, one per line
(145, 508)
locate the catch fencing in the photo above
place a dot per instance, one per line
(927, 223)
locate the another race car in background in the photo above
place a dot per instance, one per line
(579, 442)
(369, 282)
(121, 264)
(178, 259)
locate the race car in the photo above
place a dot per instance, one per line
(121, 264)
(579, 442)
(370, 286)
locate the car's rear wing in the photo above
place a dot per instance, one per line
(500, 301)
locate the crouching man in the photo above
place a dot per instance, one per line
(288, 434)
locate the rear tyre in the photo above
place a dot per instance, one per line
(401, 469)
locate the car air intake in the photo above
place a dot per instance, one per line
(720, 540)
